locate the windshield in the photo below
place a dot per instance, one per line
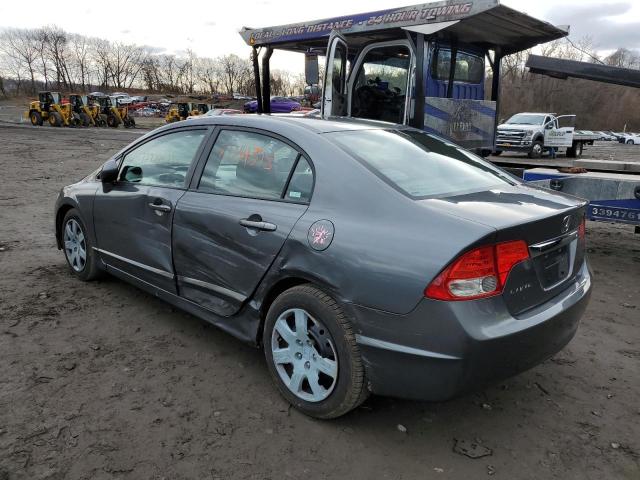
(418, 164)
(526, 119)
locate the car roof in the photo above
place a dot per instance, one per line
(269, 121)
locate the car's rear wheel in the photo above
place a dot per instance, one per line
(312, 353)
(78, 251)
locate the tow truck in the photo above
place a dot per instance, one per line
(421, 65)
(534, 133)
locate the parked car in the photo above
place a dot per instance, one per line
(631, 139)
(278, 105)
(122, 98)
(363, 257)
(606, 136)
(148, 112)
(223, 111)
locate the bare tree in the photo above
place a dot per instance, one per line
(232, 71)
(56, 46)
(21, 47)
(79, 47)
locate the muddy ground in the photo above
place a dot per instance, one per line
(102, 381)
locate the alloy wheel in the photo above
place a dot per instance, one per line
(304, 355)
(75, 246)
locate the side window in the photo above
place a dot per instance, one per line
(248, 164)
(380, 87)
(301, 183)
(468, 69)
(385, 69)
(163, 161)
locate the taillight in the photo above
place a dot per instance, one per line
(582, 229)
(479, 273)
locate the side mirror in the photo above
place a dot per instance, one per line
(109, 172)
(311, 71)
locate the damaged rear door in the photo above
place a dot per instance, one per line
(231, 224)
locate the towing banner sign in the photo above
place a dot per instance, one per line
(426, 13)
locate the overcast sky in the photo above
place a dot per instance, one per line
(210, 28)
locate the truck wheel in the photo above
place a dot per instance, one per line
(536, 149)
(497, 153)
(55, 119)
(312, 355)
(575, 150)
(102, 120)
(629, 142)
(579, 148)
(36, 118)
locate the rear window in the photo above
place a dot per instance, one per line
(420, 165)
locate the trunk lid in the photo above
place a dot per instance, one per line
(547, 221)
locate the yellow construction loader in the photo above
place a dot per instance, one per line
(49, 108)
(183, 110)
(86, 113)
(113, 114)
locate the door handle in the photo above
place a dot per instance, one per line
(264, 226)
(160, 207)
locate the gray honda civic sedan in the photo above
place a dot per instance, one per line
(363, 257)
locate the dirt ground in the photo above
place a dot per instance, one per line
(102, 381)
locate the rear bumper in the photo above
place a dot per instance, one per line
(443, 349)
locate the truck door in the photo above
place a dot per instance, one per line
(335, 77)
(556, 135)
(379, 83)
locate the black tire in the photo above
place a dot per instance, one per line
(497, 153)
(36, 118)
(85, 120)
(575, 150)
(536, 149)
(350, 388)
(629, 142)
(578, 150)
(91, 269)
(112, 121)
(76, 121)
(55, 119)
(101, 121)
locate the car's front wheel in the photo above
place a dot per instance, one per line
(312, 354)
(78, 251)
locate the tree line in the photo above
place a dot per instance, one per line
(51, 58)
(598, 106)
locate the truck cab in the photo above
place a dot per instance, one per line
(423, 65)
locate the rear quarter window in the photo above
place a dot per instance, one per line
(418, 164)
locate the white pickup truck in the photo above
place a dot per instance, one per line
(535, 133)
